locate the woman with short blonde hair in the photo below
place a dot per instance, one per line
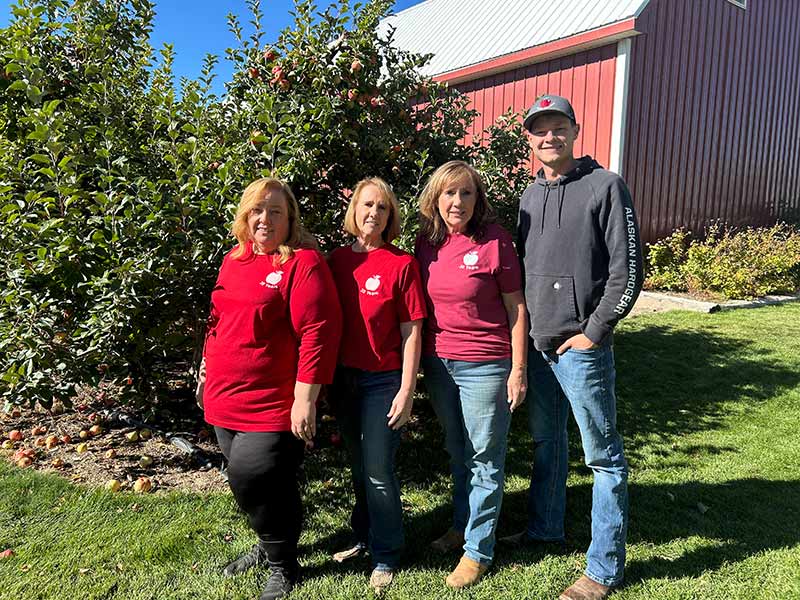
(383, 305)
(271, 343)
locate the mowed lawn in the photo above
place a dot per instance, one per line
(709, 406)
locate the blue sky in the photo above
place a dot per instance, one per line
(198, 27)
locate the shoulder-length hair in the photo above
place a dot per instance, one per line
(392, 229)
(252, 196)
(432, 226)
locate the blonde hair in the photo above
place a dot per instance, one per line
(253, 195)
(432, 226)
(392, 229)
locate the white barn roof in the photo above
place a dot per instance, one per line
(461, 33)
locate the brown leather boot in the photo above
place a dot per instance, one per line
(466, 573)
(586, 589)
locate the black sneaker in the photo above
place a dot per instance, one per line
(257, 555)
(280, 583)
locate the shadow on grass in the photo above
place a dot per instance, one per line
(743, 518)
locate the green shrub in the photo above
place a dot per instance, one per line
(734, 263)
(665, 259)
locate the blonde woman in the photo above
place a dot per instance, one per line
(383, 305)
(474, 351)
(271, 343)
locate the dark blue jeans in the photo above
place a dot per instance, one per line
(361, 400)
(581, 380)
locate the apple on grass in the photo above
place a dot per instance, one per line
(113, 485)
(142, 485)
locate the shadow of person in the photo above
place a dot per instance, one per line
(738, 519)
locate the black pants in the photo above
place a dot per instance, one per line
(263, 469)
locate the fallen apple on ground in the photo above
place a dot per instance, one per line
(133, 436)
(145, 461)
(145, 434)
(57, 463)
(66, 439)
(142, 485)
(110, 453)
(113, 485)
(7, 445)
(24, 462)
(15, 435)
(38, 430)
(95, 430)
(83, 434)
(82, 447)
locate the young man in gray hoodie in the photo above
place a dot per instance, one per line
(579, 244)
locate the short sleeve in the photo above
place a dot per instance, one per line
(507, 275)
(410, 299)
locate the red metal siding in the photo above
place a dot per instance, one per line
(713, 116)
(586, 77)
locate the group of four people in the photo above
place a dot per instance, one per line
(457, 307)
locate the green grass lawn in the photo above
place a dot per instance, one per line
(709, 406)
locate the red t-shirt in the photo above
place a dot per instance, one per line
(270, 326)
(378, 291)
(463, 281)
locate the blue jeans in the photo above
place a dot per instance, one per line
(583, 380)
(362, 400)
(471, 402)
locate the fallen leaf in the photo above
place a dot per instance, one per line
(702, 508)
(83, 571)
(671, 496)
(6, 553)
(25, 568)
(119, 567)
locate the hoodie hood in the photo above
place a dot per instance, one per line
(557, 187)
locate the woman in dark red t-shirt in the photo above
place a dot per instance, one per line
(474, 353)
(271, 343)
(383, 305)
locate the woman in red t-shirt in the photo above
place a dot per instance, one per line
(383, 306)
(271, 343)
(474, 352)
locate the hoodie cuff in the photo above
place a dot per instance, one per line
(596, 332)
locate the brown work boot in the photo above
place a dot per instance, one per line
(357, 550)
(586, 589)
(380, 580)
(451, 540)
(466, 573)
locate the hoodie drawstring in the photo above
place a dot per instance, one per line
(545, 195)
(561, 191)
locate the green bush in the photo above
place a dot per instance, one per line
(734, 263)
(116, 192)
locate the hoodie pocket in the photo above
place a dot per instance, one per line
(551, 302)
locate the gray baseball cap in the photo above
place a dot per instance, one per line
(548, 104)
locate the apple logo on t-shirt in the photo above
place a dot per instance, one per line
(471, 258)
(373, 283)
(273, 279)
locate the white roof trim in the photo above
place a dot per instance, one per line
(462, 33)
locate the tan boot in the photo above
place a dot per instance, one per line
(379, 581)
(450, 540)
(586, 589)
(466, 573)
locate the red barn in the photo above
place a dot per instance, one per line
(694, 102)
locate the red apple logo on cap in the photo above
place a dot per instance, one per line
(545, 103)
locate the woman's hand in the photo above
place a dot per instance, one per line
(304, 420)
(400, 412)
(201, 383)
(304, 412)
(517, 386)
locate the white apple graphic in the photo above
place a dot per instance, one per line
(373, 283)
(275, 277)
(471, 258)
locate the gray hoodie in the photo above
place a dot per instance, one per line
(581, 255)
